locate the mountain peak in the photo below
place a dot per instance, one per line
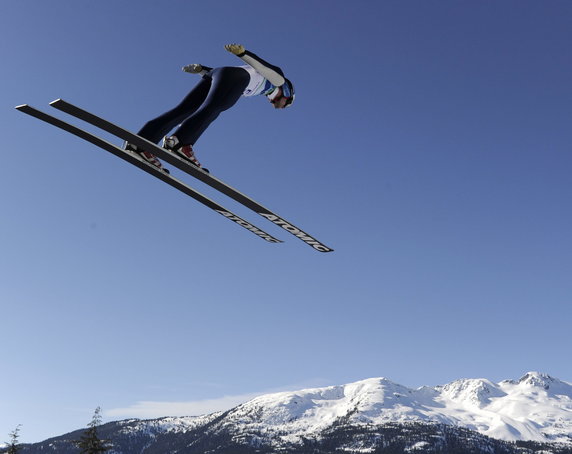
(537, 379)
(476, 392)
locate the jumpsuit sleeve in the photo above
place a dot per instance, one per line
(270, 72)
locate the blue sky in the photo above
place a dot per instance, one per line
(429, 145)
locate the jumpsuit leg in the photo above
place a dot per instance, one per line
(154, 130)
(228, 85)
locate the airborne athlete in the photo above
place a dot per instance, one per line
(218, 90)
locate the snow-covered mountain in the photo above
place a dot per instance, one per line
(363, 416)
(537, 407)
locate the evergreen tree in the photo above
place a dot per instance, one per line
(13, 446)
(89, 442)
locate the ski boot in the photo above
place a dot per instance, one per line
(184, 151)
(148, 157)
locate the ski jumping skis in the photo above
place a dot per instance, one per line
(134, 159)
(183, 165)
(174, 160)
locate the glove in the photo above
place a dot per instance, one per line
(194, 68)
(236, 49)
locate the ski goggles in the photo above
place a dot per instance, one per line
(279, 94)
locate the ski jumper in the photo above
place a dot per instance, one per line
(217, 91)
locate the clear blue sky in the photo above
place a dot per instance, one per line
(429, 145)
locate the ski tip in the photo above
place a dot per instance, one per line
(56, 101)
(21, 107)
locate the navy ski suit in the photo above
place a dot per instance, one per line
(218, 90)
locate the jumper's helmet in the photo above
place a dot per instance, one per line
(288, 92)
(285, 91)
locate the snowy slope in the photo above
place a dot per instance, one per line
(536, 407)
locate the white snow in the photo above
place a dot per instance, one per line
(536, 407)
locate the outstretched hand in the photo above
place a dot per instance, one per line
(194, 68)
(235, 49)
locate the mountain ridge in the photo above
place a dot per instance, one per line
(368, 416)
(537, 407)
